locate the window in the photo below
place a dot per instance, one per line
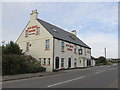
(75, 62)
(48, 61)
(44, 62)
(80, 61)
(85, 51)
(48, 44)
(62, 62)
(75, 48)
(62, 45)
(80, 51)
(27, 46)
(40, 60)
(26, 33)
(37, 30)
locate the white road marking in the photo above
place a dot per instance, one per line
(114, 84)
(99, 72)
(66, 81)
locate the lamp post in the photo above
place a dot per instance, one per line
(105, 52)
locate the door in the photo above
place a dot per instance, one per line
(57, 63)
(69, 62)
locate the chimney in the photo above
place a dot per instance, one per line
(74, 32)
(34, 15)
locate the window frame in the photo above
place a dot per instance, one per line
(47, 44)
(75, 49)
(62, 62)
(44, 61)
(75, 62)
(26, 33)
(48, 61)
(62, 45)
(38, 31)
(27, 46)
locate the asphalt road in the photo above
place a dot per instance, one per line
(94, 77)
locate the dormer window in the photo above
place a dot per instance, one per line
(54, 30)
(72, 37)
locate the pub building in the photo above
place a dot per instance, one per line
(54, 47)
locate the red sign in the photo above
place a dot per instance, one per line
(69, 49)
(69, 45)
(32, 30)
(32, 27)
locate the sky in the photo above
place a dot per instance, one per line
(96, 23)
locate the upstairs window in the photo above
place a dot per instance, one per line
(47, 44)
(62, 45)
(38, 31)
(26, 33)
(75, 49)
(80, 52)
(85, 51)
(27, 46)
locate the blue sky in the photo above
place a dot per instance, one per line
(96, 22)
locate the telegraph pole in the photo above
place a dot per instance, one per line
(105, 52)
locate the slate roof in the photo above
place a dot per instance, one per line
(59, 33)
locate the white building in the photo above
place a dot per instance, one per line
(54, 47)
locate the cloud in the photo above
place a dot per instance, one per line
(99, 41)
(96, 23)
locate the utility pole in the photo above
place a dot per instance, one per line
(105, 52)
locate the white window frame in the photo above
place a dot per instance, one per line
(62, 45)
(44, 61)
(75, 62)
(38, 31)
(62, 62)
(47, 45)
(27, 46)
(26, 33)
(48, 60)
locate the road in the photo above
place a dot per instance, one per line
(94, 77)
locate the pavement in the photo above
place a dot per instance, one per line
(95, 77)
(30, 75)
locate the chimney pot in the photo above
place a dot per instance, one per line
(74, 32)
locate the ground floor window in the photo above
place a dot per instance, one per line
(40, 60)
(48, 61)
(62, 62)
(75, 62)
(44, 62)
(80, 61)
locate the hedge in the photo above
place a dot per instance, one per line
(19, 64)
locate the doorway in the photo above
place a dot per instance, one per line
(69, 62)
(57, 62)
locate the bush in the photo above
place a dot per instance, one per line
(17, 64)
(14, 62)
(11, 48)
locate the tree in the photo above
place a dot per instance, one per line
(11, 48)
(102, 59)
